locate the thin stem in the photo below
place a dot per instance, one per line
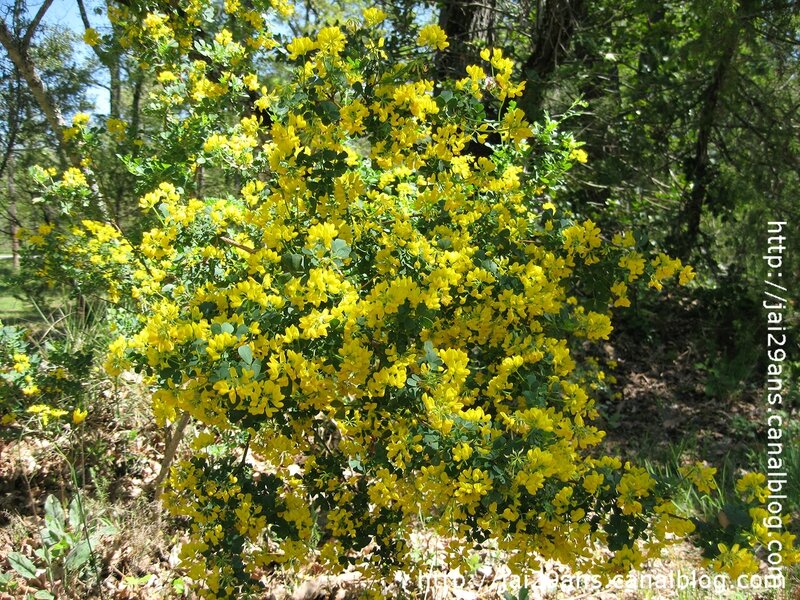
(84, 523)
(169, 452)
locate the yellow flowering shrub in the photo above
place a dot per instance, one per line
(374, 329)
(742, 525)
(37, 385)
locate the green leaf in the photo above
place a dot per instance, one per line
(431, 441)
(22, 565)
(340, 249)
(431, 356)
(54, 515)
(328, 111)
(247, 354)
(292, 262)
(44, 595)
(75, 514)
(137, 581)
(78, 556)
(255, 366)
(226, 328)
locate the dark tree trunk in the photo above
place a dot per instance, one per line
(469, 27)
(556, 21)
(687, 228)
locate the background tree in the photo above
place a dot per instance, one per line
(41, 80)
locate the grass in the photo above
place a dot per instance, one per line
(12, 309)
(15, 311)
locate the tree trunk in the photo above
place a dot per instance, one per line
(115, 84)
(469, 27)
(21, 58)
(555, 24)
(12, 214)
(687, 227)
(19, 52)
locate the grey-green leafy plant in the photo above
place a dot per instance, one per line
(67, 550)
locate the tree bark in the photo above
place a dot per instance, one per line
(109, 59)
(556, 21)
(469, 27)
(18, 52)
(12, 215)
(687, 227)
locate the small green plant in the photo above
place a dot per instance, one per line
(522, 594)
(7, 582)
(790, 457)
(473, 563)
(67, 549)
(47, 374)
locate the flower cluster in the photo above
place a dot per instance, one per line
(37, 385)
(376, 329)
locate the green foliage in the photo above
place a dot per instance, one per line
(67, 544)
(46, 376)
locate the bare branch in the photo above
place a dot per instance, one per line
(18, 53)
(26, 41)
(84, 14)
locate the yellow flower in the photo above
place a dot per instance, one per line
(166, 77)
(734, 561)
(515, 127)
(462, 452)
(91, 37)
(433, 36)
(634, 262)
(251, 81)
(701, 476)
(79, 416)
(686, 275)
(635, 483)
(157, 25)
(73, 178)
(579, 154)
(117, 128)
(46, 412)
(592, 481)
(300, 46)
(624, 240)
(373, 16)
(21, 363)
(81, 119)
(750, 487)
(330, 40)
(30, 390)
(224, 37)
(620, 290)
(582, 239)
(323, 233)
